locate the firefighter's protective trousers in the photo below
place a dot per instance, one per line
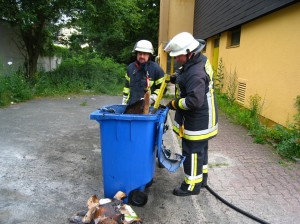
(195, 164)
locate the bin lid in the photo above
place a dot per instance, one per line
(115, 112)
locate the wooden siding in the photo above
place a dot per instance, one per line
(214, 17)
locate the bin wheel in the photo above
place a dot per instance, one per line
(137, 198)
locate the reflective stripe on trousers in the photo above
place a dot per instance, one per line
(195, 164)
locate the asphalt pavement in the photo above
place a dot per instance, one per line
(50, 158)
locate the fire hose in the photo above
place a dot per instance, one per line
(234, 207)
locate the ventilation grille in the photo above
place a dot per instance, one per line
(241, 92)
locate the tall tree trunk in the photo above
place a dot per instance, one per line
(32, 67)
(33, 40)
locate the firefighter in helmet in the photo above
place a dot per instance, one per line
(196, 119)
(142, 74)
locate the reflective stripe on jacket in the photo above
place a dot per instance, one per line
(196, 119)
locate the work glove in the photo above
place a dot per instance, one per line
(173, 78)
(152, 101)
(124, 99)
(172, 105)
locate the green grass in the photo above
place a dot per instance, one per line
(84, 103)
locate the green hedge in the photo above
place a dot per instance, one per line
(13, 89)
(83, 73)
(88, 72)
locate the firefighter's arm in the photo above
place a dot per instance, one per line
(178, 104)
(126, 90)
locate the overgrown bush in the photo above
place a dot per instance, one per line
(75, 74)
(14, 88)
(297, 116)
(289, 146)
(84, 72)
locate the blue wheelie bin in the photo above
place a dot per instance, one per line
(128, 150)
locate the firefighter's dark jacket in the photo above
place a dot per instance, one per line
(135, 83)
(196, 117)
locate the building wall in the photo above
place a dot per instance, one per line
(11, 53)
(10, 56)
(181, 15)
(175, 16)
(267, 61)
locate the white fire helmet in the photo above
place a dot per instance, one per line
(143, 46)
(183, 43)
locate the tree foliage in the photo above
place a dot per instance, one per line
(109, 27)
(37, 21)
(112, 27)
(150, 22)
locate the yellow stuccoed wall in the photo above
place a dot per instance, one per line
(175, 16)
(268, 60)
(182, 17)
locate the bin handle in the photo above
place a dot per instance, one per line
(109, 110)
(169, 160)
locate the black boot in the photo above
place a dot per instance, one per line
(183, 190)
(180, 192)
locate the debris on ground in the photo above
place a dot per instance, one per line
(107, 211)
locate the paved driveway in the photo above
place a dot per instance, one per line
(50, 166)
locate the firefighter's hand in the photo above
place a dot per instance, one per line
(171, 105)
(152, 100)
(173, 78)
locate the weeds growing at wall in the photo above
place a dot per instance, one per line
(255, 105)
(219, 78)
(285, 140)
(231, 87)
(289, 146)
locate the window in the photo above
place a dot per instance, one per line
(234, 37)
